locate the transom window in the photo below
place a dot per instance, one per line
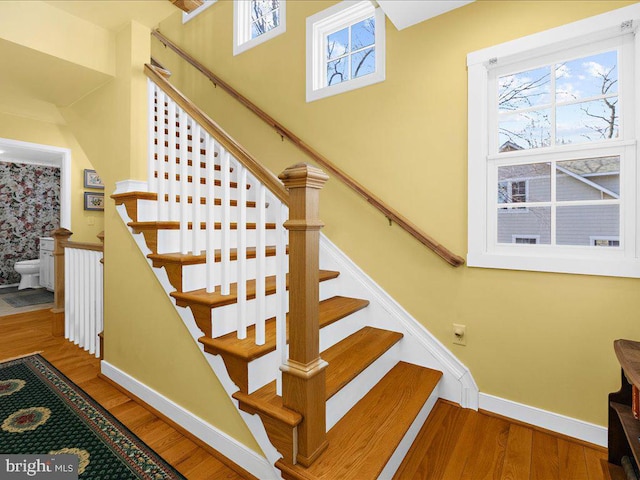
(345, 48)
(256, 21)
(559, 160)
(351, 52)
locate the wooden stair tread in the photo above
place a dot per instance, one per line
(268, 403)
(216, 299)
(331, 310)
(170, 225)
(160, 259)
(344, 366)
(362, 442)
(354, 354)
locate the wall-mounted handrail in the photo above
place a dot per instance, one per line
(260, 172)
(386, 210)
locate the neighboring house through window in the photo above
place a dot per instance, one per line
(256, 21)
(345, 48)
(552, 149)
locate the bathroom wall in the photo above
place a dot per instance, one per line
(29, 209)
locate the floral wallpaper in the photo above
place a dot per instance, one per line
(29, 209)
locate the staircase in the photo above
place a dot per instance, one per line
(210, 221)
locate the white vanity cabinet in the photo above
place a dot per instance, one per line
(47, 277)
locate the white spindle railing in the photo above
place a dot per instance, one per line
(227, 227)
(83, 298)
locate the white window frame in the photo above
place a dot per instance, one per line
(197, 11)
(331, 20)
(484, 251)
(242, 40)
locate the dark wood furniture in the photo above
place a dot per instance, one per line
(624, 429)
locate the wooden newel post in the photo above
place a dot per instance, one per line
(60, 236)
(303, 375)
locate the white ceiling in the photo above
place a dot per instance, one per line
(405, 13)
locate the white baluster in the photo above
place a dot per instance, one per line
(100, 323)
(261, 269)
(161, 164)
(152, 183)
(171, 151)
(90, 341)
(242, 250)
(225, 285)
(211, 232)
(195, 203)
(184, 184)
(76, 289)
(281, 289)
(67, 297)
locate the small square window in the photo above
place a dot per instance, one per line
(345, 48)
(256, 21)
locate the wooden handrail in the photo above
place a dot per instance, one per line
(260, 172)
(96, 247)
(386, 210)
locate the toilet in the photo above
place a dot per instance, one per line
(30, 273)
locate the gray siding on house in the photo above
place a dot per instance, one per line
(575, 225)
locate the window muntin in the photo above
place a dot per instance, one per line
(611, 193)
(345, 48)
(351, 52)
(265, 16)
(256, 21)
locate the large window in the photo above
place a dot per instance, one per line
(256, 21)
(552, 150)
(345, 48)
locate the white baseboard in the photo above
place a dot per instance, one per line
(220, 441)
(555, 422)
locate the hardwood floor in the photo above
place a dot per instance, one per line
(454, 444)
(457, 444)
(31, 332)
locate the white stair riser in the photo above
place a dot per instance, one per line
(337, 331)
(169, 240)
(356, 389)
(194, 276)
(225, 318)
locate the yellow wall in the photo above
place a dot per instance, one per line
(540, 339)
(144, 336)
(29, 130)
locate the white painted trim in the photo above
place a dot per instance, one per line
(242, 40)
(566, 35)
(193, 13)
(62, 159)
(555, 422)
(330, 20)
(448, 363)
(217, 439)
(126, 186)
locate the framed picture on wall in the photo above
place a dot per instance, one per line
(92, 180)
(93, 201)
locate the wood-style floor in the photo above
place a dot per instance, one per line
(31, 332)
(454, 444)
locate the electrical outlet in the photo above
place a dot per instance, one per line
(459, 334)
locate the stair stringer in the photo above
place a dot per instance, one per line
(418, 346)
(267, 470)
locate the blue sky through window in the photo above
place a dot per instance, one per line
(582, 108)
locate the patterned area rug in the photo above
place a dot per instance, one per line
(43, 412)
